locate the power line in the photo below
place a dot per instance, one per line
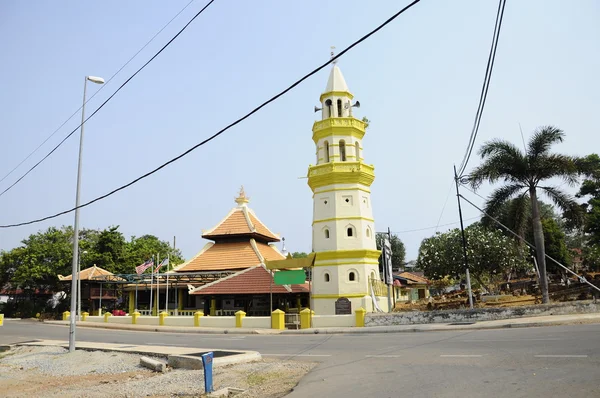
(432, 227)
(445, 203)
(484, 88)
(225, 128)
(105, 102)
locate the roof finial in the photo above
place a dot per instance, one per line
(242, 198)
(333, 54)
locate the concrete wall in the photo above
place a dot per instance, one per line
(256, 322)
(179, 321)
(479, 314)
(217, 321)
(332, 321)
(147, 320)
(119, 319)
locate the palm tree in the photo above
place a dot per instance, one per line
(522, 173)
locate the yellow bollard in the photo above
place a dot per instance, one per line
(161, 318)
(134, 317)
(305, 315)
(66, 315)
(84, 316)
(1, 319)
(360, 317)
(278, 320)
(238, 318)
(197, 316)
(106, 316)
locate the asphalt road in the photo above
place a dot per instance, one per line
(557, 361)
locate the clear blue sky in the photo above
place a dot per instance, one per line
(418, 81)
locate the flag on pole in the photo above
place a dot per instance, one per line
(143, 267)
(164, 262)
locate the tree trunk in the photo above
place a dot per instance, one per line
(540, 249)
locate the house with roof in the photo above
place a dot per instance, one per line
(94, 294)
(241, 244)
(410, 286)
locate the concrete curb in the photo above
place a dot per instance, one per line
(176, 357)
(434, 327)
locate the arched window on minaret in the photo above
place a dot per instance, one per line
(326, 232)
(329, 104)
(357, 151)
(326, 148)
(342, 150)
(339, 107)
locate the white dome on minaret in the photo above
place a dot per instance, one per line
(336, 81)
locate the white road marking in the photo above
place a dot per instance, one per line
(561, 356)
(295, 355)
(382, 356)
(509, 340)
(459, 356)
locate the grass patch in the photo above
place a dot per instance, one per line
(255, 379)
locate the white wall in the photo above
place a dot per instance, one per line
(179, 321)
(217, 321)
(147, 320)
(120, 319)
(256, 322)
(329, 321)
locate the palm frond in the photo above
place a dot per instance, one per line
(519, 214)
(541, 141)
(564, 202)
(500, 167)
(500, 196)
(556, 166)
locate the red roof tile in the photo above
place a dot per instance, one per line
(255, 280)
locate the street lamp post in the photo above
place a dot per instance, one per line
(74, 267)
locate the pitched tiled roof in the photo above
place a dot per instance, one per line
(412, 278)
(255, 280)
(88, 274)
(241, 221)
(229, 256)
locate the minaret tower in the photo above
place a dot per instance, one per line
(343, 227)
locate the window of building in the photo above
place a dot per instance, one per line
(326, 231)
(368, 232)
(339, 107)
(351, 276)
(326, 151)
(342, 150)
(350, 232)
(329, 104)
(326, 277)
(357, 151)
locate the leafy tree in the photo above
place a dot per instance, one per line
(398, 250)
(145, 247)
(524, 172)
(516, 215)
(299, 255)
(590, 189)
(490, 253)
(41, 259)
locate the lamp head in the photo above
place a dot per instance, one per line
(94, 79)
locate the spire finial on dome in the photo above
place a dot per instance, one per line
(333, 54)
(242, 199)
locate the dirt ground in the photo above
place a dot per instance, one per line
(33, 372)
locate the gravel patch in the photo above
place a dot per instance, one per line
(49, 371)
(58, 362)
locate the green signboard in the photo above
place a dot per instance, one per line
(292, 277)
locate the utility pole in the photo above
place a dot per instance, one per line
(464, 241)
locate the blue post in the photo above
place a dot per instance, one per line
(207, 363)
